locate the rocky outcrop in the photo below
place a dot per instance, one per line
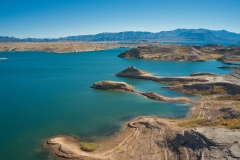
(236, 75)
(163, 52)
(111, 85)
(230, 67)
(197, 83)
(133, 72)
(184, 53)
(156, 96)
(122, 86)
(208, 143)
(203, 74)
(207, 88)
(230, 63)
(229, 113)
(231, 53)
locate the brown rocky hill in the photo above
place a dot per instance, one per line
(184, 53)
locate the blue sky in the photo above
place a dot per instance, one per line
(59, 18)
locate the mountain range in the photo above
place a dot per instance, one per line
(178, 35)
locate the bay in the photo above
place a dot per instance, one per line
(47, 94)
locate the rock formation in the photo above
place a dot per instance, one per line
(132, 71)
(122, 86)
(184, 53)
(230, 67)
(107, 85)
(208, 143)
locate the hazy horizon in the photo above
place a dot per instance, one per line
(114, 32)
(62, 18)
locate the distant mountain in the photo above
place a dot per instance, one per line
(13, 39)
(9, 39)
(178, 35)
(120, 36)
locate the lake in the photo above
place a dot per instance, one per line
(47, 94)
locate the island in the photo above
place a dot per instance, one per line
(210, 131)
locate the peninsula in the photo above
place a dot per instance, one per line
(122, 86)
(211, 131)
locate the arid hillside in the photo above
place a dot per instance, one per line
(59, 47)
(184, 53)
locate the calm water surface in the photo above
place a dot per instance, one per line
(47, 94)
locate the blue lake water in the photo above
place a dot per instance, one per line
(47, 94)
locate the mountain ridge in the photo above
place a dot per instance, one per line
(177, 35)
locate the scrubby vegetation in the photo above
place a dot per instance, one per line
(109, 82)
(219, 89)
(89, 147)
(228, 97)
(197, 122)
(237, 104)
(229, 123)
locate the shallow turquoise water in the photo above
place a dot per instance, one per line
(47, 94)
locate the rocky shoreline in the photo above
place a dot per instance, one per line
(122, 86)
(133, 72)
(230, 67)
(183, 53)
(211, 131)
(111, 85)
